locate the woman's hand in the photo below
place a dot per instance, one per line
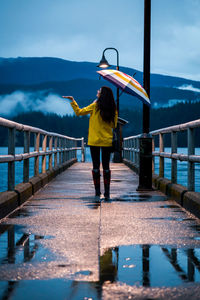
(69, 97)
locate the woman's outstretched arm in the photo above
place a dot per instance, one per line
(80, 111)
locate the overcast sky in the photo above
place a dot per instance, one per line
(79, 30)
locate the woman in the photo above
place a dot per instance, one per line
(103, 119)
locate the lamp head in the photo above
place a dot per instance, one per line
(103, 63)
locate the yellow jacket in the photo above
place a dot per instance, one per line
(100, 132)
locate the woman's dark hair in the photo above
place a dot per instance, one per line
(106, 104)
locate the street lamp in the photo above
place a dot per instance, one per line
(104, 64)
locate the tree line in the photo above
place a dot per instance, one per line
(78, 126)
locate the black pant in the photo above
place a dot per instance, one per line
(95, 153)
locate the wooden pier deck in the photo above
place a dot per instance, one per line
(68, 235)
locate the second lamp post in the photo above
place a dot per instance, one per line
(104, 64)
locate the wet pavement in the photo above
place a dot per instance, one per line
(66, 244)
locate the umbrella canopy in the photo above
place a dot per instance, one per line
(126, 83)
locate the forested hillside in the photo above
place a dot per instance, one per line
(78, 126)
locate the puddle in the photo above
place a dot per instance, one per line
(18, 246)
(171, 219)
(93, 205)
(21, 213)
(28, 211)
(140, 265)
(169, 206)
(116, 180)
(92, 202)
(86, 273)
(49, 289)
(196, 238)
(133, 265)
(140, 198)
(196, 227)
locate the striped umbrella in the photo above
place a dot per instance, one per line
(126, 83)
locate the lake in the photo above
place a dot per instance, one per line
(181, 179)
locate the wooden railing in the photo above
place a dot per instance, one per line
(131, 151)
(50, 144)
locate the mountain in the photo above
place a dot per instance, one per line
(58, 76)
(34, 70)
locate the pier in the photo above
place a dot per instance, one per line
(58, 241)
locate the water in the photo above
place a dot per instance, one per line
(181, 168)
(19, 166)
(133, 265)
(181, 176)
(140, 265)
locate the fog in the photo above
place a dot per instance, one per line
(19, 102)
(189, 87)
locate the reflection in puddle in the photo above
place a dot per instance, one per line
(171, 219)
(16, 246)
(169, 206)
(155, 266)
(196, 227)
(87, 273)
(140, 198)
(92, 202)
(27, 212)
(49, 289)
(21, 213)
(134, 265)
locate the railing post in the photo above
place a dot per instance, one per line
(44, 147)
(191, 151)
(153, 158)
(132, 152)
(56, 153)
(50, 155)
(161, 160)
(67, 152)
(72, 142)
(76, 145)
(70, 151)
(60, 151)
(36, 148)
(26, 161)
(125, 151)
(63, 152)
(124, 146)
(11, 164)
(174, 161)
(138, 154)
(82, 150)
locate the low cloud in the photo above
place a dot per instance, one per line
(19, 102)
(189, 87)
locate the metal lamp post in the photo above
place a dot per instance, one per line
(145, 165)
(104, 64)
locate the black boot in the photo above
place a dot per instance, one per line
(106, 178)
(96, 179)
